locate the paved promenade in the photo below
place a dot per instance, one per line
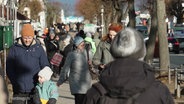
(65, 96)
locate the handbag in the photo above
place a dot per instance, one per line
(56, 59)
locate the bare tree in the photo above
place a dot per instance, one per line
(53, 12)
(36, 8)
(163, 43)
(34, 5)
(153, 32)
(175, 8)
(131, 13)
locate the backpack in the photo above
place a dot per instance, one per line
(105, 98)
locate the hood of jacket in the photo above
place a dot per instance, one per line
(125, 77)
(19, 43)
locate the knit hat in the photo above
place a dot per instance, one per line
(78, 40)
(27, 30)
(51, 32)
(115, 27)
(128, 43)
(46, 73)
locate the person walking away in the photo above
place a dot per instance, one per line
(76, 70)
(128, 79)
(102, 55)
(25, 58)
(46, 91)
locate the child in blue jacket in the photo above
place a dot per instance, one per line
(47, 89)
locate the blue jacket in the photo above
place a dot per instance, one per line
(23, 63)
(47, 90)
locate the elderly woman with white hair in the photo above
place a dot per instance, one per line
(127, 78)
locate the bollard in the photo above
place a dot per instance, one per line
(175, 78)
(178, 91)
(169, 75)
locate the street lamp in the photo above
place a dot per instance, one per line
(102, 20)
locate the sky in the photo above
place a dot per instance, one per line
(67, 1)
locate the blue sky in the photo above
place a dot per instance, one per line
(67, 1)
(70, 2)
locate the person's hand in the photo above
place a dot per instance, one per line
(57, 84)
(90, 62)
(102, 66)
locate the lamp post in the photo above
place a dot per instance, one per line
(102, 20)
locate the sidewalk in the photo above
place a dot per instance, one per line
(65, 96)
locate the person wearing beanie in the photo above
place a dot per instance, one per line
(78, 40)
(25, 59)
(27, 30)
(27, 34)
(129, 44)
(128, 77)
(76, 70)
(46, 89)
(102, 55)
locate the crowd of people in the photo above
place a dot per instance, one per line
(118, 59)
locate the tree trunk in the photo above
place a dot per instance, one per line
(150, 44)
(163, 43)
(131, 13)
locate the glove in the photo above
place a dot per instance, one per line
(36, 97)
(52, 101)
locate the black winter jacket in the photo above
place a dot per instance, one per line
(126, 77)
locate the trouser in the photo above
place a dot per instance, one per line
(79, 98)
(55, 70)
(22, 98)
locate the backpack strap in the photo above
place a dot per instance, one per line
(132, 99)
(99, 87)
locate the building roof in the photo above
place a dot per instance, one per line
(21, 16)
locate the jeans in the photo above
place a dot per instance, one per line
(22, 98)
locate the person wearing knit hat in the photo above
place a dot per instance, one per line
(27, 30)
(102, 55)
(127, 76)
(76, 70)
(27, 34)
(46, 73)
(28, 56)
(78, 40)
(46, 89)
(128, 43)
